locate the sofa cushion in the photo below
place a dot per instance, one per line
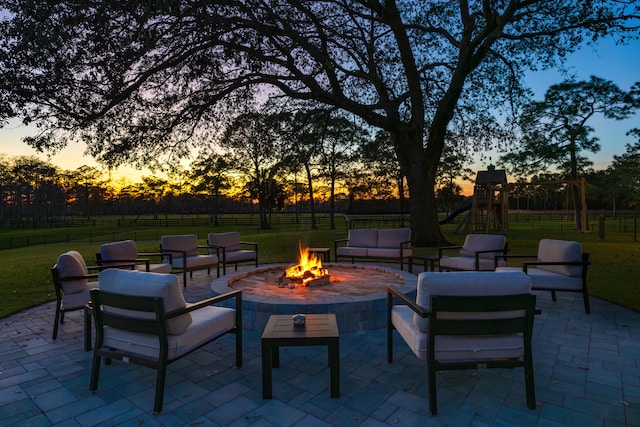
(230, 241)
(181, 242)
(363, 238)
(392, 238)
(350, 251)
(239, 256)
(142, 283)
(71, 264)
(483, 242)
(550, 250)
(468, 283)
(196, 262)
(387, 252)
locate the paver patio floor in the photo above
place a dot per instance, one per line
(587, 373)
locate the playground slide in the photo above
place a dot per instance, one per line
(455, 213)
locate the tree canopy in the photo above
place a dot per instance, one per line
(143, 81)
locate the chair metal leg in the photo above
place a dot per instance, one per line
(162, 375)
(56, 321)
(95, 372)
(433, 402)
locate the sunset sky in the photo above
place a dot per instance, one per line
(617, 63)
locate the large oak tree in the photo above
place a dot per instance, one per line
(143, 81)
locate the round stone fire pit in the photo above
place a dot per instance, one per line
(356, 294)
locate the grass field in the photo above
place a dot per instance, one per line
(26, 272)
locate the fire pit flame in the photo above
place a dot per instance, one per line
(308, 272)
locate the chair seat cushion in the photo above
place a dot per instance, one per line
(194, 262)
(78, 299)
(238, 256)
(456, 348)
(208, 323)
(547, 280)
(350, 251)
(465, 263)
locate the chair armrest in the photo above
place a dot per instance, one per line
(447, 248)
(405, 244)
(152, 254)
(207, 302)
(130, 264)
(170, 252)
(217, 248)
(506, 257)
(254, 244)
(391, 292)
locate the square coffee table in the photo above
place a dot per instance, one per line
(320, 329)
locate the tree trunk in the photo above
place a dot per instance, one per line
(420, 170)
(312, 206)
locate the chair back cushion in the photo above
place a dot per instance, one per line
(482, 242)
(366, 237)
(142, 283)
(230, 241)
(119, 251)
(469, 283)
(550, 250)
(393, 237)
(180, 242)
(71, 264)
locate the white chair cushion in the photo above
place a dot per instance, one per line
(181, 242)
(548, 280)
(237, 256)
(193, 262)
(78, 299)
(164, 268)
(71, 264)
(392, 238)
(469, 283)
(230, 241)
(367, 238)
(141, 283)
(455, 348)
(351, 251)
(550, 250)
(124, 250)
(207, 322)
(387, 252)
(481, 242)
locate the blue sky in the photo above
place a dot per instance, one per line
(621, 64)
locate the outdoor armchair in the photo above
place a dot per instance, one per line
(126, 251)
(183, 250)
(466, 320)
(72, 283)
(142, 318)
(476, 254)
(229, 248)
(559, 265)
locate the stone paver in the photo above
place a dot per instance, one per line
(587, 372)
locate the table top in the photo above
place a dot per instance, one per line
(280, 326)
(319, 249)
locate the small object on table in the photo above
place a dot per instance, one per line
(299, 320)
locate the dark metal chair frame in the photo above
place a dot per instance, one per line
(183, 254)
(155, 326)
(461, 304)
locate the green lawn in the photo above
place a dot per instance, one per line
(613, 275)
